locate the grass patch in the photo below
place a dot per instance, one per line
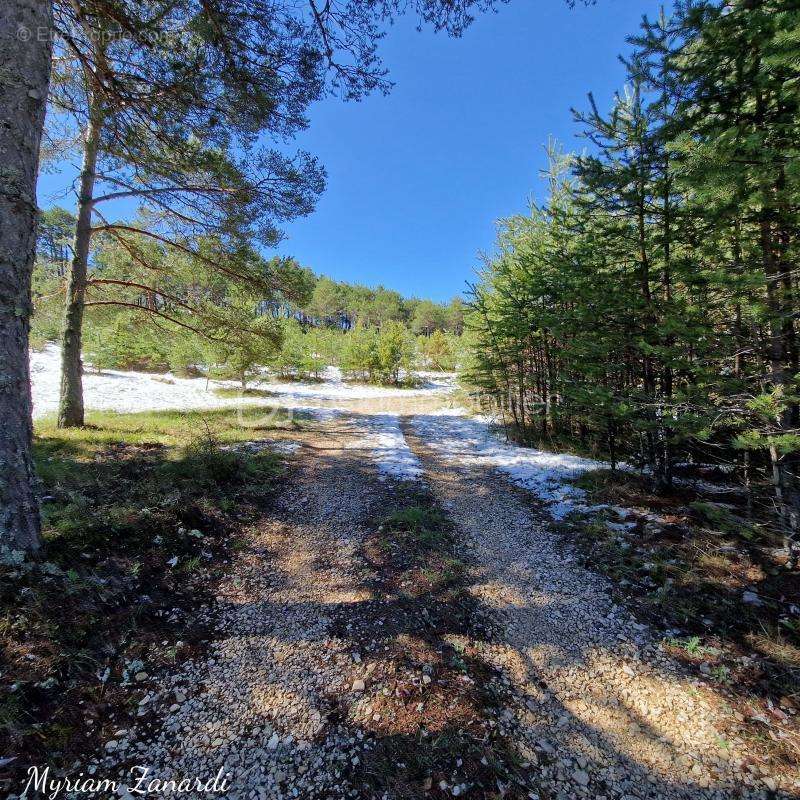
(136, 510)
(721, 519)
(173, 427)
(437, 729)
(421, 524)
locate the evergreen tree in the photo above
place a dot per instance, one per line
(648, 308)
(25, 47)
(174, 119)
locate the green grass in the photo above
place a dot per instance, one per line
(231, 391)
(426, 523)
(224, 425)
(692, 645)
(717, 517)
(424, 534)
(155, 467)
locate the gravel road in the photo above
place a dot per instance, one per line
(597, 710)
(258, 706)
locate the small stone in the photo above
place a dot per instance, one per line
(358, 686)
(111, 746)
(581, 777)
(140, 676)
(274, 741)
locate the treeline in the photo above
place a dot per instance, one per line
(351, 304)
(229, 314)
(311, 299)
(649, 308)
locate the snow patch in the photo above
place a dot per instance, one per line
(333, 387)
(282, 446)
(470, 442)
(382, 435)
(127, 392)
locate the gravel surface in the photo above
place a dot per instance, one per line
(600, 706)
(597, 708)
(258, 705)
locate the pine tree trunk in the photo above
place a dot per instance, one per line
(70, 410)
(25, 68)
(782, 357)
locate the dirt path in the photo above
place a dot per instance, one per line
(338, 664)
(333, 670)
(259, 704)
(599, 706)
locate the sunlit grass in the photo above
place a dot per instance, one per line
(134, 509)
(173, 427)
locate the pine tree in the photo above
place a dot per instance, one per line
(174, 119)
(649, 308)
(739, 155)
(24, 66)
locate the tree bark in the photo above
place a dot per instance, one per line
(782, 352)
(70, 409)
(25, 47)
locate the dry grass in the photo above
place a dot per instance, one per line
(687, 576)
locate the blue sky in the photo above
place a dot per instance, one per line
(417, 179)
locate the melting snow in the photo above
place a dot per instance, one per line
(470, 442)
(259, 445)
(389, 448)
(334, 388)
(116, 390)
(455, 435)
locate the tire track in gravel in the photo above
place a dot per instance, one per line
(599, 707)
(262, 703)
